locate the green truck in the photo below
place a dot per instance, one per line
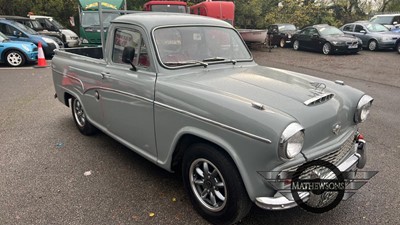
(89, 19)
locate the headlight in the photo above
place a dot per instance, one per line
(26, 47)
(289, 36)
(363, 107)
(291, 141)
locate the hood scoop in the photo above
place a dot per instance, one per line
(319, 99)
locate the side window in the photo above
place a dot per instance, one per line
(348, 28)
(3, 29)
(396, 19)
(305, 31)
(358, 28)
(130, 38)
(42, 22)
(312, 32)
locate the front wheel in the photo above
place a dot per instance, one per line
(214, 185)
(296, 45)
(398, 47)
(15, 58)
(327, 48)
(373, 45)
(79, 115)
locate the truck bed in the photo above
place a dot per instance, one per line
(92, 52)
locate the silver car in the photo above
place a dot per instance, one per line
(373, 35)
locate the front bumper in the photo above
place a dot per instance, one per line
(346, 49)
(280, 202)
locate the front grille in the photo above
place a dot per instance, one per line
(334, 157)
(35, 49)
(352, 43)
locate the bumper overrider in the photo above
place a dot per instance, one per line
(280, 202)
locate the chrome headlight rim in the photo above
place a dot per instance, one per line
(363, 107)
(288, 150)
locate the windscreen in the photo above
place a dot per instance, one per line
(91, 19)
(169, 8)
(330, 31)
(180, 46)
(376, 27)
(387, 20)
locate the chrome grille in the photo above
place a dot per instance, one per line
(334, 157)
(35, 49)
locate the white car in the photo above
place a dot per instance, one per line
(71, 39)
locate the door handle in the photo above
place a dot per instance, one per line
(105, 75)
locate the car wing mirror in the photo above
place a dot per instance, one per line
(315, 36)
(395, 23)
(128, 55)
(363, 31)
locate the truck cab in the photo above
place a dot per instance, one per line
(166, 6)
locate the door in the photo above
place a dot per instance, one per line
(128, 100)
(305, 37)
(361, 32)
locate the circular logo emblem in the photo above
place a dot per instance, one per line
(323, 181)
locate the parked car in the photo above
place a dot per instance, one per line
(70, 38)
(391, 21)
(398, 45)
(17, 53)
(327, 39)
(281, 34)
(19, 32)
(184, 92)
(35, 25)
(373, 35)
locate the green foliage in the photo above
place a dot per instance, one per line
(248, 14)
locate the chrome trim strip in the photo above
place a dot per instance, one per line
(279, 202)
(318, 98)
(77, 79)
(215, 123)
(119, 92)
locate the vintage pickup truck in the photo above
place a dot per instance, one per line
(184, 92)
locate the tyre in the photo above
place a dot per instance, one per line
(282, 43)
(398, 47)
(372, 45)
(327, 48)
(296, 45)
(214, 185)
(15, 58)
(79, 115)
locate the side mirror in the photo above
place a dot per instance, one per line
(315, 36)
(395, 23)
(17, 33)
(127, 56)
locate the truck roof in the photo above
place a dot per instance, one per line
(150, 20)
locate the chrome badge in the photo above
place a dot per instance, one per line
(336, 129)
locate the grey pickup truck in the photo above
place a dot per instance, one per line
(184, 92)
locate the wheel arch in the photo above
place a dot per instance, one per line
(185, 139)
(5, 51)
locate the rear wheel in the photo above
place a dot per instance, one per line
(214, 185)
(372, 45)
(282, 43)
(398, 47)
(327, 48)
(79, 115)
(296, 45)
(15, 58)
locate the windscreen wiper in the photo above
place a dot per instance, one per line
(219, 59)
(183, 63)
